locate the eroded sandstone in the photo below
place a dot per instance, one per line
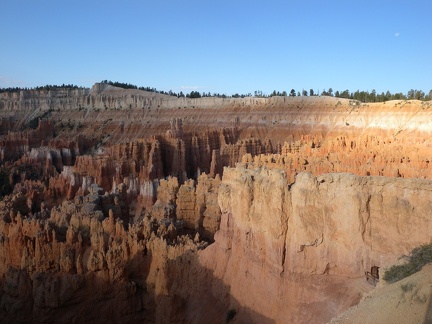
(122, 205)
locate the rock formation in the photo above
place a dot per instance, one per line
(325, 231)
(126, 206)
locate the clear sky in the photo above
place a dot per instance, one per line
(219, 46)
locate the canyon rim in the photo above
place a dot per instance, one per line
(122, 205)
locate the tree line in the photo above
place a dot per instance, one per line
(362, 96)
(132, 86)
(45, 87)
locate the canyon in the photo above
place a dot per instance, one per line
(131, 206)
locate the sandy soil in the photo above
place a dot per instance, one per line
(406, 301)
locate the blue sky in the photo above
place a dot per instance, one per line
(219, 46)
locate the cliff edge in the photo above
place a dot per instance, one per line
(279, 244)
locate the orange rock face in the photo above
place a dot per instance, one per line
(127, 206)
(320, 234)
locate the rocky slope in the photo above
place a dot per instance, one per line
(407, 301)
(123, 206)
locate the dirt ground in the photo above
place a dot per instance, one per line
(405, 301)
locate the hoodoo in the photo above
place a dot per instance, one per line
(124, 205)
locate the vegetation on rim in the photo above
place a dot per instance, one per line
(362, 96)
(419, 257)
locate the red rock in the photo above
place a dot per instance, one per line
(111, 203)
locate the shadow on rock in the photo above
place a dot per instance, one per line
(149, 288)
